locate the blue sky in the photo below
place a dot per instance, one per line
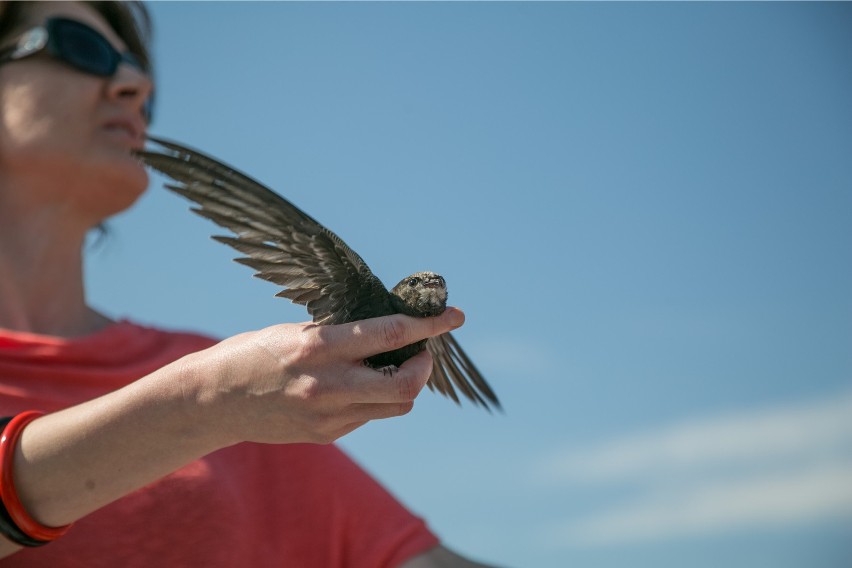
(645, 210)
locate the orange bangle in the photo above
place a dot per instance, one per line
(8, 442)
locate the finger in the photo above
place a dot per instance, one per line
(399, 387)
(363, 413)
(336, 435)
(360, 414)
(364, 338)
(356, 415)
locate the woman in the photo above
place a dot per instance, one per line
(140, 446)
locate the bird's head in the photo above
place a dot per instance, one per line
(421, 294)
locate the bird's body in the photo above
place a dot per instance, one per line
(288, 247)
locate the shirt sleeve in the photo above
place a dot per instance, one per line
(333, 513)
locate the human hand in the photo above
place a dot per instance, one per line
(307, 383)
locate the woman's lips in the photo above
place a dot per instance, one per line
(129, 130)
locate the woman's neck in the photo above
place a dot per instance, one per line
(41, 272)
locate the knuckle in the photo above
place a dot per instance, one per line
(309, 346)
(310, 389)
(394, 332)
(406, 392)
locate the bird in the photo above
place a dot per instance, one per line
(317, 268)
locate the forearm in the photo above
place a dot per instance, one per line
(72, 462)
(292, 383)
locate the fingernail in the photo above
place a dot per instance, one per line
(455, 317)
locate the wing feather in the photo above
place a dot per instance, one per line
(281, 242)
(453, 369)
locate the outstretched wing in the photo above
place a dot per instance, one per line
(452, 369)
(283, 243)
(290, 248)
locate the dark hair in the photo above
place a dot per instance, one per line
(129, 20)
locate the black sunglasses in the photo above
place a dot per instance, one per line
(77, 45)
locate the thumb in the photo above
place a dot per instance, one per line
(364, 338)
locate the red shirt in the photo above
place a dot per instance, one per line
(296, 505)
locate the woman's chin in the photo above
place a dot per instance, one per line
(121, 182)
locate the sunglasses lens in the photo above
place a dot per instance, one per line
(84, 48)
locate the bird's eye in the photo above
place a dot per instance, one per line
(413, 282)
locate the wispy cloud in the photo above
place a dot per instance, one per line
(813, 430)
(709, 508)
(770, 466)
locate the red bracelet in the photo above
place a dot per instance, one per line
(8, 442)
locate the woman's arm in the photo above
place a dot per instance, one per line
(283, 384)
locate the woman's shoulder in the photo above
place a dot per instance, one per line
(128, 329)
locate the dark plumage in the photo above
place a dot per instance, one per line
(317, 269)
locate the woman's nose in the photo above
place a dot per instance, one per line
(131, 86)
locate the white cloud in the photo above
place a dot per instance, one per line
(809, 431)
(785, 498)
(784, 465)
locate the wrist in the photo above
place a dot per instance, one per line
(203, 403)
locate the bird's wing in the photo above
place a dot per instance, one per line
(283, 243)
(452, 369)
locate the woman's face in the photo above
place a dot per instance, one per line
(66, 135)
